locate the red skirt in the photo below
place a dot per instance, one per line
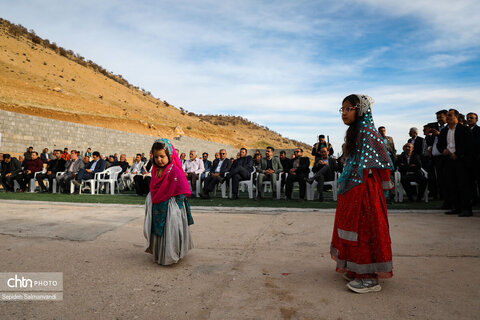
(361, 242)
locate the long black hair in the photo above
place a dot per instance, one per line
(352, 131)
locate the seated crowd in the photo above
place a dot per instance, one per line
(445, 162)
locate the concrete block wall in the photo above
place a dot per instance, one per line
(20, 131)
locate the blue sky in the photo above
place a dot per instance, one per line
(283, 64)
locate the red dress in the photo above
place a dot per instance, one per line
(361, 242)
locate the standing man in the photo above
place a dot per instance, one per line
(436, 177)
(388, 142)
(217, 171)
(455, 143)
(419, 144)
(319, 145)
(298, 173)
(472, 119)
(193, 168)
(241, 170)
(270, 168)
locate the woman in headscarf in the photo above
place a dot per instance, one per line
(167, 210)
(361, 243)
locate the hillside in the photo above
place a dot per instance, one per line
(42, 79)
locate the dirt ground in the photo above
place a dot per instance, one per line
(247, 264)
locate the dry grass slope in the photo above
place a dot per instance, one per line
(40, 78)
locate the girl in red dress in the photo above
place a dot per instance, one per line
(361, 241)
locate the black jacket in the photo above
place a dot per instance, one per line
(463, 141)
(331, 162)
(418, 145)
(13, 167)
(304, 166)
(246, 162)
(226, 165)
(414, 166)
(286, 164)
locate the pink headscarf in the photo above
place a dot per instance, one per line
(172, 182)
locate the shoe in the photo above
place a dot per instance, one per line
(364, 285)
(347, 277)
(258, 198)
(453, 212)
(204, 195)
(75, 182)
(465, 213)
(320, 199)
(235, 197)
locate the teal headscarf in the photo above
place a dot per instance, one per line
(370, 150)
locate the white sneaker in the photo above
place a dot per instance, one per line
(364, 285)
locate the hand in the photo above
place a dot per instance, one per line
(28, 171)
(453, 156)
(88, 170)
(292, 171)
(215, 174)
(323, 162)
(8, 174)
(49, 172)
(435, 132)
(446, 152)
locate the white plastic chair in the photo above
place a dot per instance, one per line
(268, 184)
(223, 188)
(109, 178)
(245, 183)
(399, 188)
(312, 187)
(32, 185)
(92, 182)
(198, 184)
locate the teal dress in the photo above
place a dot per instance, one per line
(159, 213)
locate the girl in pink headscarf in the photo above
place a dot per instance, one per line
(167, 210)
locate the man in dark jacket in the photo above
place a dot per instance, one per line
(97, 165)
(11, 167)
(410, 167)
(324, 170)
(455, 143)
(31, 166)
(217, 172)
(53, 167)
(472, 119)
(286, 165)
(298, 173)
(241, 170)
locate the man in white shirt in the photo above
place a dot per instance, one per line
(193, 168)
(129, 175)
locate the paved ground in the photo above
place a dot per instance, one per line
(247, 264)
